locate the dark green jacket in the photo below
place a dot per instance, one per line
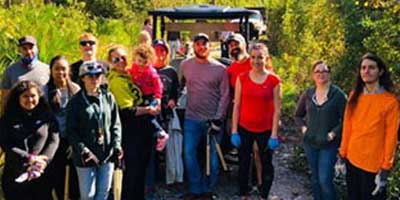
(82, 126)
(320, 120)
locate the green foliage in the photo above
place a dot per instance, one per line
(57, 30)
(394, 179)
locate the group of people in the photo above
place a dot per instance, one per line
(112, 114)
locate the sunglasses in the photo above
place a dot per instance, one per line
(94, 75)
(85, 43)
(93, 67)
(321, 71)
(116, 60)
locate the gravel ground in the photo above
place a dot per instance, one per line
(287, 185)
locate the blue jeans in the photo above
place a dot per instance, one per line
(95, 182)
(322, 162)
(198, 182)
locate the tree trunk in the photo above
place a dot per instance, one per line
(7, 3)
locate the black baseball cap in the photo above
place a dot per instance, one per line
(161, 43)
(200, 36)
(27, 39)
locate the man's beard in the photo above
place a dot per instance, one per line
(200, 56)
(236, 54)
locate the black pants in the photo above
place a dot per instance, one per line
(360, 184)
(246, 149)
(57, 172)
(30, 190)
(137, 141)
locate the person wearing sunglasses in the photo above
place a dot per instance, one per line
(129, 99)
(94, 131)
(28, 67)
(88, 44)
(319, 116)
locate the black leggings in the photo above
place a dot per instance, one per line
(360, 184)
(30, 190)
(137, 141)
(246, 149)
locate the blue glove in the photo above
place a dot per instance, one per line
(273, 143)
(235, 140)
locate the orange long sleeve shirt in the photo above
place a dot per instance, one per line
(369, 137)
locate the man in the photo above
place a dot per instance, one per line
(88, 47)
(27, 68)
(370, 128)
(241, 59)
(208, 96)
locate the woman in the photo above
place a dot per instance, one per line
(370, 126)
(169, 78)
(319, 115)
(57, 92)
(130, 101)
(94, 131)
(255, 118)
(29, 136)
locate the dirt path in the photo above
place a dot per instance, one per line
(288, 184)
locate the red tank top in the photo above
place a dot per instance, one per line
(257, 103)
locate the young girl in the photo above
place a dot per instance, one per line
(29, 136)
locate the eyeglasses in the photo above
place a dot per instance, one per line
(321, 71)
(85, 43)
(116, 60)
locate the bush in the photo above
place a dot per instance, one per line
(57, 30)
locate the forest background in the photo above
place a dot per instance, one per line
(299, 32)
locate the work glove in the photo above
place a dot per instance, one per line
(273, 143)
(214, 126)
(162, 139)
(340, 167)
(89, 158)
(380, 182)
(36, 166)
(235, 139)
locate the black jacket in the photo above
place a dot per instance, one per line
(27, 133)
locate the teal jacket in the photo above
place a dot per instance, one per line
(82, 126)
(322, 119)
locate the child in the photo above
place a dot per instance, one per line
(147, 79)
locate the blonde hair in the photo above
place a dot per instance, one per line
(264, 50)
(88, 35)
(113, 48)
(144, 38)
(144, 51)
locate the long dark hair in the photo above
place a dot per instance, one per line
(13, 109)
(52, 94)
(384, 80)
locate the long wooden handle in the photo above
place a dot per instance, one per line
(221, 157)
(208, 156)
(66, 185)
(117, 187)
